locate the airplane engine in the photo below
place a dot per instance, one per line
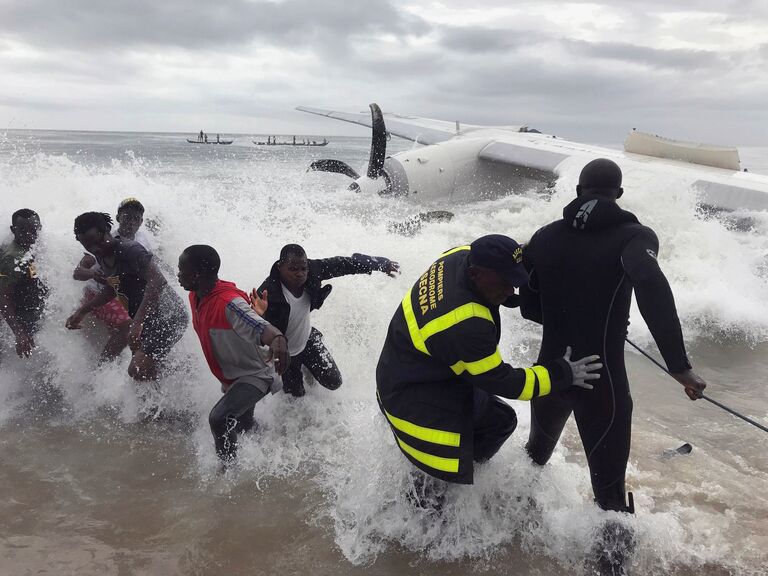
(450, 170)
(439, 171)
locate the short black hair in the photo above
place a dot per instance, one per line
(204, 259)
(99, 220)
(291, 250)
(25, 213)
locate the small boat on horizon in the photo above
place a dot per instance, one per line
(273, 142)
(210, 142)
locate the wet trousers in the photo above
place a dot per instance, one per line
(318, 361)
(231, 415)
(493, 421)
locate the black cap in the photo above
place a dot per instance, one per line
(502, 254)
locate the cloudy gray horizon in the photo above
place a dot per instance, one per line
(587, 71)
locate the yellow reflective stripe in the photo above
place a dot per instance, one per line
(530, 380)
(545, 385)
(423, 433)
(454, 250)
(413, 326)
(436, 462)
(478, 366)
(463, 312)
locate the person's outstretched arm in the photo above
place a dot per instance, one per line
(357, 264)
(470, 350)
(657, 306)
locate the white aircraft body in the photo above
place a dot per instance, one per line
(457, 160)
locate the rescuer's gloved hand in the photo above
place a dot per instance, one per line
(583, 369)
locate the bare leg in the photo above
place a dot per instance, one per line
(118, 340)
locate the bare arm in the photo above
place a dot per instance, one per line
(84, 270)
(106, 294)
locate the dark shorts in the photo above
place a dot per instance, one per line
(162, 331)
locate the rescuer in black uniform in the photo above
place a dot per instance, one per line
(440, 371)
(583, 269)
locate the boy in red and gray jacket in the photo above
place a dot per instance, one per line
(231, 335)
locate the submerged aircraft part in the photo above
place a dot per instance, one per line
(469, 161)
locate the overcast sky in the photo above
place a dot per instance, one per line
(588, 71)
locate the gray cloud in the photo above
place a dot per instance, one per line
(115, 24)
(484, 40)
(243, 65)
(652, 57)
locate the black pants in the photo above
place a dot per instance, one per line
(604, 419)
(494, 421)
(318, 360)
(231, 415)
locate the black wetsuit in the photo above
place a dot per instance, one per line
(583, 269)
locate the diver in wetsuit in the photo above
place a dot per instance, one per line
(583, 270)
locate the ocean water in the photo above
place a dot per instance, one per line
(94, 483)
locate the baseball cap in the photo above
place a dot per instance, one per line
(501, 254)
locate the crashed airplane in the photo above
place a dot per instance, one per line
(458, 160)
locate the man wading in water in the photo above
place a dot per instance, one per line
(583, 269)
(231, 335)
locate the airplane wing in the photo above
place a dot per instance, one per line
(420, 130)
(714, 172)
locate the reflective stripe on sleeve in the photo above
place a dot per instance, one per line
(545, 384)
(436, 462)
(530, 380)
(432, 435)
(478, 366)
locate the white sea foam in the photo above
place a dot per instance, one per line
(337, 442)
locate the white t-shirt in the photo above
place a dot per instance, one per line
(297, 331)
